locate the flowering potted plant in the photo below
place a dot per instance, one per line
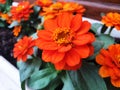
(57, 50)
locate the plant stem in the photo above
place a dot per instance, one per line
(111, 28)
(103, 29)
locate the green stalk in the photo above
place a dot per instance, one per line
(104, 28)
(111, 28)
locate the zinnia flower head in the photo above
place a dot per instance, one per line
(112, 20)
(44, 3)
(6, 17)
(23, 48)
(65, 41)
(2, 1)
(22, 11)
(60, 7)
(110, 63)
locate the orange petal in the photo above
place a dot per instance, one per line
(32, 44)
(104, 58)
(64, 48)
(116, 82)
(44, 34)
(83, 51)
(91, 50)
(73, 67)
(85, 27)
(52, 56)
(100, 59)
(60, 65)
(104, 52)
(30, 51)
(64, 19)
(76, 22)
(24, 58)
(104, 71)
(19, 58)
(72, 58)
(46, 45)
(50, 24)
(84, 39)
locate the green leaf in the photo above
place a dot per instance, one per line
(68, 84)
(90, 75)
(8, 5)
(13, 24)
(42, 78)
(56, 83)
(95, 27)
(77, 80)
(108, 40)
(40, 27)
(23, 85)
(86, 78)
(2, 23)
(73, 81)
(36, 9)
(27, 68)
(97, 46)
(34, 35)
(2, 7)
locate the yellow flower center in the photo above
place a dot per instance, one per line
(62, 36)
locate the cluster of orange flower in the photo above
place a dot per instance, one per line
(109, 59)
(66, 40)
(65, 36)
(60, 7)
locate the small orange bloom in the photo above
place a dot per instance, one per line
(112, 20)
(65, 41)
(44, 3)
(22, 11)
(23, 48)
(16, 30)
(110, 61)
(59, 7)
(2, 1)
(6, 17)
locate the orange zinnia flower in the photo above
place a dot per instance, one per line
(112, 20)
(22, 11)
(23, 48)
(2, 1)
(59, 7)
(44, 3)
(110, 61)
(6, 17)
(16, 30)
(65, 41)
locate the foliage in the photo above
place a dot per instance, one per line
(68, 60)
